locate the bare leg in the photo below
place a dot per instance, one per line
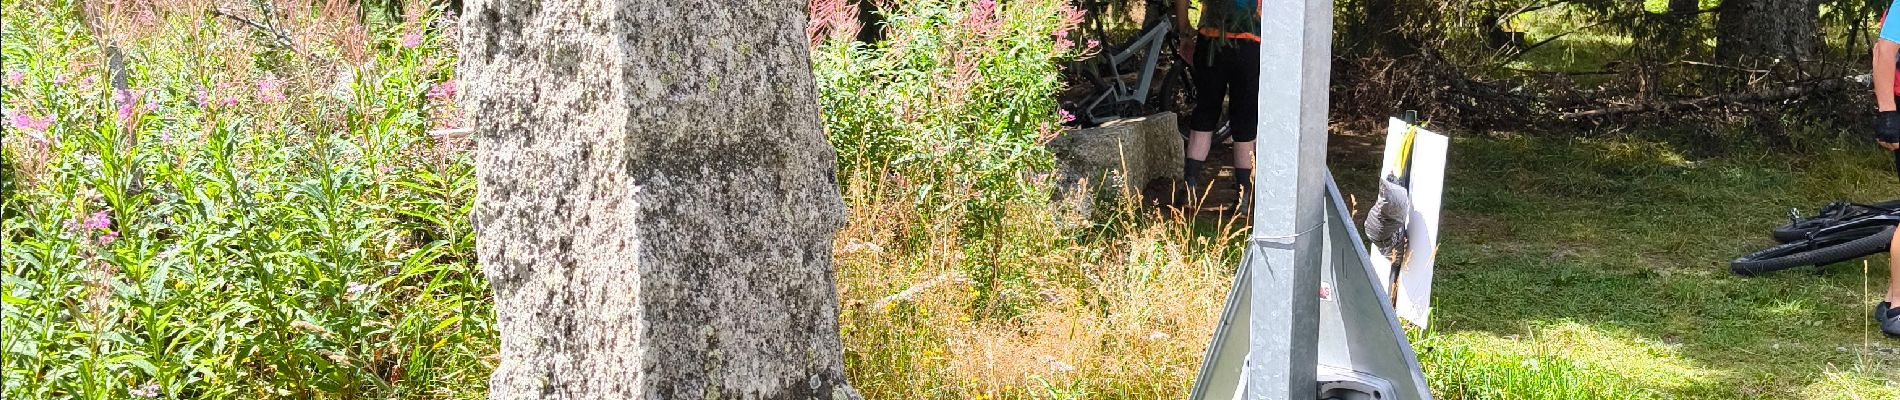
(1893, 271)
(1197, 146)
(1243, 173)
(1199, 142)
(1243, 156)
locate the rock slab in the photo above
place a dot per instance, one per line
(656, 200)
(1116, 160)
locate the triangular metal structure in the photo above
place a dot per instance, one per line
(1305, 318)
(1360, 343)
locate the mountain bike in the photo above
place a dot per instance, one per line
(1839, 232)
(1140, 77)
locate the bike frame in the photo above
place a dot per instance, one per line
(1885, 217)
(1116, 92)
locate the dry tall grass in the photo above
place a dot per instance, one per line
(1102, 312)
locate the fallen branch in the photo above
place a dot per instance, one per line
(906, 294)
(1783, 93)
(1720, 66)
(283, 38)
(451, 133)
(1567, 73)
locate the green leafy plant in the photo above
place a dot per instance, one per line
(237, 219)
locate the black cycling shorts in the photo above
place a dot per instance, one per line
(1226, 69)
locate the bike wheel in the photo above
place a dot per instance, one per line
(1176, 94)
(1818, 251)
(1800, 229)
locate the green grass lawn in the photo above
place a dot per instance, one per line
(1598, 267)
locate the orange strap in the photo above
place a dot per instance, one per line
(1212, 32)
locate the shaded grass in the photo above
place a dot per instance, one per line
(1590, 248)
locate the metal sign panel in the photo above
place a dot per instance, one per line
(1359, 342)
(1423, 162)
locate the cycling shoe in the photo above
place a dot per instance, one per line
(1889, 323)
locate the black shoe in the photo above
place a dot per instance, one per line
(1888, 318)
(1193, 191)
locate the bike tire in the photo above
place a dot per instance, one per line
(1798, 230)
(1170, 98)
(1818, 251)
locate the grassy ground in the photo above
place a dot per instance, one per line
(1609, 256)
(1570, 269)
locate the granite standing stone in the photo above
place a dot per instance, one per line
(657, 199)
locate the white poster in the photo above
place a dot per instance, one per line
(1426, 175)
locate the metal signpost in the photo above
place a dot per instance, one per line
(1305, 319)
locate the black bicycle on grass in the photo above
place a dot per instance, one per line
(1839, 232)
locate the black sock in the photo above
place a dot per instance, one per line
(1891, 312)
(1192, 172)
(1243, 178)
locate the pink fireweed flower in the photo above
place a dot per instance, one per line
(1071, 16)
(270, 90)
(128, 102)
(205, 99)
(15, 78)
(1065, 115)
(412, 40)
(831, 19)
(108, 238)
(207, 96)
(442, 92)
(982, 18)
(28, 122)
(98, 220)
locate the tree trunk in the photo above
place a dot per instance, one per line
(657, 200)
(1756, 33)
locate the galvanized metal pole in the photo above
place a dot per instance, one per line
(1290, 181)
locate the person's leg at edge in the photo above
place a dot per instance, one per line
(1210, 85)
(1198, 145)
(1893, 275)
(1244, 111)
(1885, 314)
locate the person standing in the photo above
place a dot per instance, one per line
(1225, 56)
(1887, 135)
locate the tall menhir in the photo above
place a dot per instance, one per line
(657, 199)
